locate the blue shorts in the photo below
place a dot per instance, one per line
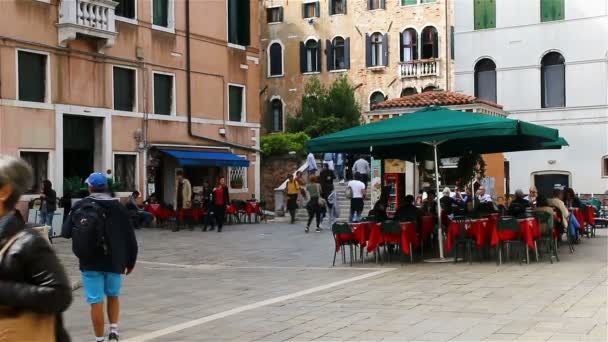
(97, 285)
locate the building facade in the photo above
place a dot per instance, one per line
(546, 62)
(386, 48)
(127, 86)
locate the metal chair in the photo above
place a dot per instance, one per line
(509, 224)
(462, 240)
(342, 228)
(391, 227)
(547, 239)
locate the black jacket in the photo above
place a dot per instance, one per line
(51, 200)
(31, 276)
(120, 236)
(226, 196)
(518, 207)
(409, 213)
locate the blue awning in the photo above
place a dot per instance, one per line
(194, 158)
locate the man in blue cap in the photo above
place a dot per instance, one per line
(104, 241)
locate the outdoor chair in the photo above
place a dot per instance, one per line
(589, 228)
(426, 230)
(388, 229)
(548, 240)
(343, 236)
(509, 224)
(463, 241)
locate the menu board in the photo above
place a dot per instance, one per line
(394, 166)
(376, 183)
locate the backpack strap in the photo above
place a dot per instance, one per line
(10, 242)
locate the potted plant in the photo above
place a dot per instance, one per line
(236, 182)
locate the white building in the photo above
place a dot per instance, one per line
(546, 62)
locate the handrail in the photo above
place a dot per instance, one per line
(302, 168)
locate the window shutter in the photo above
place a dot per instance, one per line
(435, 44)
(479, 13)
(330, 4)
(163, 93)
(317, 9)
(408, 2)
(244, 23)
(401, 56)
(281, 14)
(302, 57)
(32, 76)
(319, 56)
(490, 10)
(369, 4)
(347, 53)
(558, 10)
(303, 10)
(344, 5)
(546, 9)
(385, 49)
(368, 51)
(452, 51)
(382, 4)
(330, 54)
(269, 116)
(160, 12)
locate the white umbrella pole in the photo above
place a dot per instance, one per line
(439, 230)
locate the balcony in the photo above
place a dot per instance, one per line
(419, 68)
(91, 18)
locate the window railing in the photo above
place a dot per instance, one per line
(419, 68)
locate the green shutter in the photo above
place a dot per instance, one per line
(408, 2)
(317, 9)
(479, 12)
(382, 5)
(160, 13)
(558, 9)
(163, 94)
(490, 14)
(281, 14)
(452, 42)
(124, 89)
(330, 9)
(32, 76)
(235, 103)
(303, 10)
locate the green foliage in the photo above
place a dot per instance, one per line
(324, 110)
(74, 187)
(470, 165)
(283, 143)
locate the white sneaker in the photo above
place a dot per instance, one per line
(342, 181)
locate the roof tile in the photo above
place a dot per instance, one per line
(430, 98)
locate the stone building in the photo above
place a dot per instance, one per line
(387, 48)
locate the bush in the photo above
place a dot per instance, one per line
(283, 143)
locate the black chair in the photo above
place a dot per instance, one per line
(391, 227)
(465, 243)
(545, 222)
(506, 223)
(339, 228)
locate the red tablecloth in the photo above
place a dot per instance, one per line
(427, 227)
(528, 231)
(480, 229)
(591, 215)
(360, 234)
(195, 213)
(408, 235)
(159, 212)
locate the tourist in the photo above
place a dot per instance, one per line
(429, 205)
(571, 200)
(104, 259)
(142, 215)
(183, 195)
(357, 191)
(340, 167)
(557, 202)
(542, 205)
(302, 183)
(314, 192)
(208, 206)
(220, 200)
(329, 159)
(449, 205)
(408, 212)
(326, 179)
(311, 164)
(49, 203)
(518, 205)
(293, 190)
(33, 280)
(361, 166)
(532, 194)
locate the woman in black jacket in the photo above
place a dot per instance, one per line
(49, 203)
(220, 200)
(31, 276)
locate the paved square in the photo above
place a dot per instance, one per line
(275, 283)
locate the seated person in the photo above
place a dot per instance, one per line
(485, 203)
(378, 211)
(518, 206)
(408, 212)
(429, 205)
(448, 204)
(542, 205)
(132, 206)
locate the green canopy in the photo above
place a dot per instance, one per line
(456, 131)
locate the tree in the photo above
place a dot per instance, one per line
(325, 111)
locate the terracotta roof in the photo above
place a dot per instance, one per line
(430, 98)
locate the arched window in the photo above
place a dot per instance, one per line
(311, 54)
(430, 43)
(376, 48)
(485, 80)
(409, 45)
(275, 59)
(376, 97)
(276, 112)
(429, 88)
(339, 61)
(553, 80)
(409, 91)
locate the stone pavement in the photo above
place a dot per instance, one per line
(275, 283)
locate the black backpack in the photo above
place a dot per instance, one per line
(88, 233)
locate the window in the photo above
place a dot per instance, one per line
(238, 22)
(125, 9)
(430, 43)
(427, 1)
(452, 49)
(409, 91)
(125, 171)
(553, 80)
(162, 14)
(551, 10)
(484, 13)
(409, 45)
(275, 59)
(32, 74)
(163, 94)
(310, 56)
(375, 4)
(408, 2)
(376, 98)
(429, 88)
(485, 80)
(311, 10)
(605, 166)
(124, 89)
(236, 103)
(377, 50)
(39, 162)
(237, 178)
(276, 115)
(338, 54)
(337, 7)
(274, 14)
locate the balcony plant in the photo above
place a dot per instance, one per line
(236, 182)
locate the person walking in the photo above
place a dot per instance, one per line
(220, 200)
(340, 167)
(104, 242)
(208, 206)
(311, 163)
(293, 190)
(314, 192)
(33, 282)
(183, 196)
(302, 183)
(49, 203)
(361, 166)
(357, 195)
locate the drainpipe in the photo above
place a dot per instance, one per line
(448, 37)
(189, 93)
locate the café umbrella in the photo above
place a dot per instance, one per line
(439, 131)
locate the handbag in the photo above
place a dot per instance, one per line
(24, 326)
(349, 193)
